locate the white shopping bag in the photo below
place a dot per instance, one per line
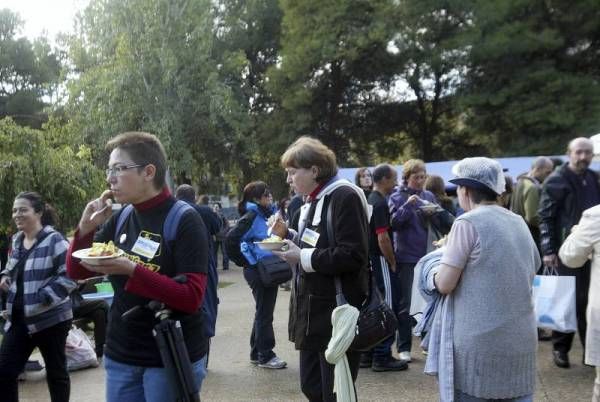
(554, 302)
(79, 350)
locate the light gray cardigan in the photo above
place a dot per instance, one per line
(495, 337)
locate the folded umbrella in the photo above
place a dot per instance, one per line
(343, 319)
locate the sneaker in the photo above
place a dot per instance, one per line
(253, 361)
(33, 365)
(274, 363)
(405, 356)
(390, 364)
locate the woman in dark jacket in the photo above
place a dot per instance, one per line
(38, 304)
(311, 170)
(255, 209)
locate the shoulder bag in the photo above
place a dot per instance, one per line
(273, 271)
(376, 320)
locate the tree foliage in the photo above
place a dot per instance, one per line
(334, 59)
(532, 81)
(146, 65)
(46, 162)
(29, 73)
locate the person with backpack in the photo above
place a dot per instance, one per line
(39, 312)
(255, 210)
(161, 238)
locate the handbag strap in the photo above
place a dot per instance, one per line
(339, 294)
(549, 271)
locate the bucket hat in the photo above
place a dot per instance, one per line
(479, 172)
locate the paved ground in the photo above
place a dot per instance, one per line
(232, 378)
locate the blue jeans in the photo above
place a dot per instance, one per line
(127, 383)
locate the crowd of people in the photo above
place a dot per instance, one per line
(482, 250)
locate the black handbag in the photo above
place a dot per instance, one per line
(376, 320)
(273, 271)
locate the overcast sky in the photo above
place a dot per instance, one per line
(50, 16)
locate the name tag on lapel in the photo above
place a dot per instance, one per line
(145, 247)
(310, 237)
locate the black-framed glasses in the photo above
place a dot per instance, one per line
(118, 171)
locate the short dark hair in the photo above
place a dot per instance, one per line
(186, 192)
(38, 204)
(382, 171)
(479, 195)
(144, 149)
(203, 199)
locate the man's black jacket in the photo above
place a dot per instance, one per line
(561, 207)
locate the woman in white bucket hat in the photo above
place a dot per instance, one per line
(488, 266)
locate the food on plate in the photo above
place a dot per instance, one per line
(103, 249)
(273, 239)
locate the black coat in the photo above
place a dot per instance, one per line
(561, 207)
(313, 294)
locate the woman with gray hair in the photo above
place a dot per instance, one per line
(488, 267)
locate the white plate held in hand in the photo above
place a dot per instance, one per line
(270, 245)
(83, 256)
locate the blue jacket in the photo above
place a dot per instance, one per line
(256, 231)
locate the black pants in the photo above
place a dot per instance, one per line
(97, 312)
(221, 245)
(316, 375)
(262, 338)
(404, 279)
(563, 341)
(16, 348)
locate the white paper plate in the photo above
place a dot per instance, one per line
(429, 207)
(83, 256)
(270, 245)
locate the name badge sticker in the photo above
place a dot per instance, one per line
(310, 237)
(145, 247)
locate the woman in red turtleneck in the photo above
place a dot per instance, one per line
(136, 175)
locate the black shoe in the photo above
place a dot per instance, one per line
(561, 359)
(366, 360)
(391, 364)
(544, 335)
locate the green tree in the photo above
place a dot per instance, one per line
(334, 61)
(532, 81)
(147, 65)
(430, 56)
(29, 73)
(44, 161)
(247, 40)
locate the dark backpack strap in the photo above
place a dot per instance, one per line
(172, 222)
(169, 227)
(125, 212)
